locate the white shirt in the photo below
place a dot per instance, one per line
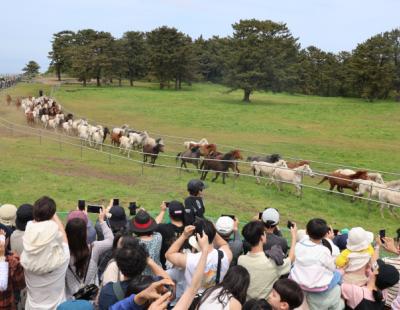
(210, 272)
(314, 264)
(46, 291)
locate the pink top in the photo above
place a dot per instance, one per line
(354, 294)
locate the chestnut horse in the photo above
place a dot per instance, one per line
(221, 165)
(345, 181)
(8, 99)
(206, 149)
(293, 165)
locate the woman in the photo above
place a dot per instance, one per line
(143, 225)
(370, 297)
(230, 294)
(82, 269)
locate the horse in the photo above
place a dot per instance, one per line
(207, 149)
(273, 158)
(344, 181)
(152, 151)
(262, 168)
(191, 156)
(387, 196)
(8, 99)
(293, 165)
(292, 176)
(191, 144)
(220, 165)
(115, 138)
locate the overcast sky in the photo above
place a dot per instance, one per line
(332, 25)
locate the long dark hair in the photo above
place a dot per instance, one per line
(76, 234)
(235, 284)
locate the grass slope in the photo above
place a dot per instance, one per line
(341, 130)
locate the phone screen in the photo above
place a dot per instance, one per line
(132, 208)
(260, 215)
(382, 234)
(81, 205)
(116, 202)
(94, 208)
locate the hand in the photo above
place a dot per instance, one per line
(236, 224)
(188, 231)
(153, 291)
(293, 231)
(202, 242)
(160, 303)
(163, 206)
(389, 245)
(102, 215)
(378, 241)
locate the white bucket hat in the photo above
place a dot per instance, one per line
(359, 239)
(8, 214)
(224, 225)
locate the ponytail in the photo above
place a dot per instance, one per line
(378, 296)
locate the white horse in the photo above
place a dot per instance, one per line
(125, 145)
(187, 144)
(292, 176)
(262, 168)
(391, 196)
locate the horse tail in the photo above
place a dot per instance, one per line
(177, 157)
(323, 180)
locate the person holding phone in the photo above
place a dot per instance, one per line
(270, 217)
(170, 231)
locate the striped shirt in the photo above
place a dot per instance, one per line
(394, 290)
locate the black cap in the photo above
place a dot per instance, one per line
(118, 218)
(176, 209)
(388, 275)
(195, 185)
(24, 215)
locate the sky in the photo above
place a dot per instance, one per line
(332, 25)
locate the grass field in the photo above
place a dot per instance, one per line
(336, 130)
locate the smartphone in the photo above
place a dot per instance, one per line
(290, 224)
(167, 204)
(116, 202)
(382, 234)
(132, 208)
(229, 215)
(81, 205)
(336, 232)
(260, 215)
(170, 289)
(94, 208)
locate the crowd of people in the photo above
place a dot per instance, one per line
(8, 80)
(182, 260)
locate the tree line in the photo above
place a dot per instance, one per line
(260, 55)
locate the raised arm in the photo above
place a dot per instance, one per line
(60, 225)
(173, 255)
(293, 234)
(160, 216)
(157, 269)
(221, 244)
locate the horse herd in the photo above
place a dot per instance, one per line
(205, 156)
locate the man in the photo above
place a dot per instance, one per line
(226, 227)
(45, 257)
(194, 205)
(270, 218)
(263, 270)
(189, 261)
(171, 231)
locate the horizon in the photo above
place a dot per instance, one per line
(332, 27)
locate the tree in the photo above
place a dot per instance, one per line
(136, 55)
(261, 54)
(59, 56)
(170, 55)
(31, 69)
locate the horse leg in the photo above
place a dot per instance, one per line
(216, 177)
(223, 177)
(392, 212)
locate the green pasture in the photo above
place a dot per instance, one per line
(335, 130)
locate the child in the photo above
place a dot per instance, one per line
(286, 295)
(357, 255)
(314, 269)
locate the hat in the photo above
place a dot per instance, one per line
(77, 214)
(270, 216)
(143, 222)
(195, 185)
(193, 243)
(224, 225)
(341, 241)
(118, 218)
(8, 214)
(176, 209)
(388, 275)
(24, 215)
(359, 239)
(75, 305)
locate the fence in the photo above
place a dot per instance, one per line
(77, 143)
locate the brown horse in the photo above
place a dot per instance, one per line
(207, 149)
(115, 138)
(152, 151)
(8, 99)
(30, 119)
(293, 165)
(220, 164)
(345, 181)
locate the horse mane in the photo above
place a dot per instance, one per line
(359, 174)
